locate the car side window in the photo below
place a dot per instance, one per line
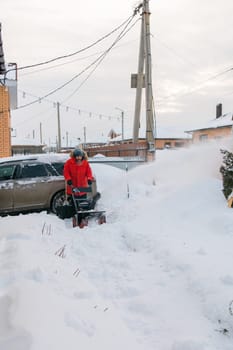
(59, 167)
(7, 172)
(51, 170)
(33, 170)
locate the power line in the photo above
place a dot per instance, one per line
(174, 51)
(198, 87)
(165, 98)
(33, 117)
(70, 62)
(100, 58)
(74, 53)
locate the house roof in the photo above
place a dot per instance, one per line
(15, 141)
(171, 133)
(2, 61)
(224, 120)
(161, 133)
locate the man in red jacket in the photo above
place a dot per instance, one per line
(77, 172)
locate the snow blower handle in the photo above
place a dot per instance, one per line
(75, 190)
(66, 196)
(81, 189)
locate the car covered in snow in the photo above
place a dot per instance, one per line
(29, 185)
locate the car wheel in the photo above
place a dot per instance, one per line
(57, 200)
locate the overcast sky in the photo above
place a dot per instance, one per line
(191, 43)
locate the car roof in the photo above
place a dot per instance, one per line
(43, 158)
(23, 161)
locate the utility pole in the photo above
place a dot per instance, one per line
(41, 133)
(67, 139)
(58, 128)
(145, 60)
(148, 79)
(84, 136)
(139, 85)
(122, 122)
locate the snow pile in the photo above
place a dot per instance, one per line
(158, 275)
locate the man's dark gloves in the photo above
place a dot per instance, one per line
(89, 182)
(69, 182)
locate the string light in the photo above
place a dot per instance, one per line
(69, 108)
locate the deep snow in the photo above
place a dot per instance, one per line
(157, 276)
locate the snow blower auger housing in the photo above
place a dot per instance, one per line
(82, 208)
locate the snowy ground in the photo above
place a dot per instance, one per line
(157, 276)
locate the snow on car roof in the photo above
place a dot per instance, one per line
(47, 157)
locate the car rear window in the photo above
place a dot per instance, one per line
(33, 170)
(52, 170)
(59, 167)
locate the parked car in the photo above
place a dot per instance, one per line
(29, 185)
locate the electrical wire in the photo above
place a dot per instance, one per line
(198, 87)
(155, 37)
(77, 75)
(67, 107)
(34, 117)
(73, 53)
(101, 58)
(166, 97)
(72, 61)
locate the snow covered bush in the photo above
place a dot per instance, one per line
(227, 172)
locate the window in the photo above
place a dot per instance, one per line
(7, 172)
(179, 144)
(203, 137)
(59, 167)
(167, 145)
(52, 171)
(33, 170)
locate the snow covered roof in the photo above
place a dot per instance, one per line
(224, 120)
(15, 141)
(45, 157)
(171, 133)
(161, 133)
(2, 61)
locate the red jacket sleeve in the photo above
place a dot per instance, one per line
(89, 172)
(66, 171)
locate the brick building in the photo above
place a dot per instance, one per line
(5, 134)
(217, 128)
(116, 147)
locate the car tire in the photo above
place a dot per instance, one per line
(58, 200)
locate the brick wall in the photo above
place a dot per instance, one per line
(119, 150)
(210, 134)
(129, 149)
(5, 135)
(171, 143)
